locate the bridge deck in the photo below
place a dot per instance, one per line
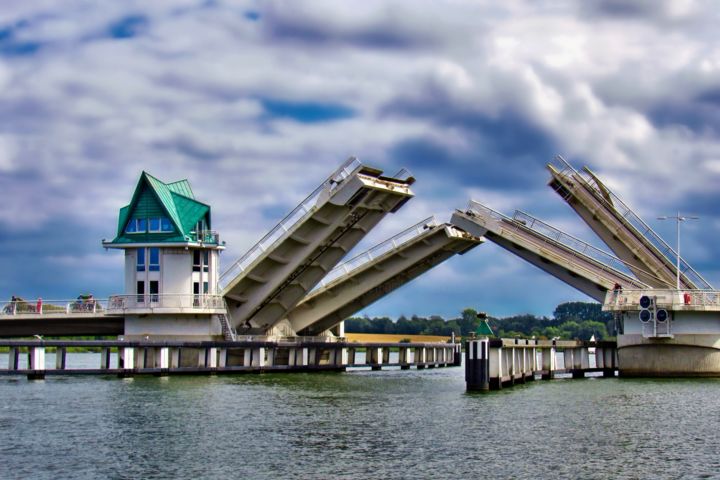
(288, 262)
(621, 229)
(567, 258)
(377, 272)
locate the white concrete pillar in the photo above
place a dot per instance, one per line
(36, 358)
(222, 357)
(175, 357)
(60, 358)
(213, 357)
(128, 357)
(258, 357)
(163, 358)
(568, 359)
(270, 357)
(291, 356)
(351, 356)
(305, 357)
(247, 357)
(385, 356)
(344, 357)
(105, 358)
(14, 358)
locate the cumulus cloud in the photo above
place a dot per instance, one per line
(256, 102)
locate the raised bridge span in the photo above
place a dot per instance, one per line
(567, 258)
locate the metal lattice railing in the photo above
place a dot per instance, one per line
(643, 229)
(393, 243)
(286, 224)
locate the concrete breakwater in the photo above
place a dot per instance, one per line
(497, 363)
(127, 358)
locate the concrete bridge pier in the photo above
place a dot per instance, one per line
(36, 363)
(60, 358)
(14, 358)
(549, 363)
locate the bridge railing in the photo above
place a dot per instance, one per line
(645, 231)
(47, 307)
(574, 243)
(120, 303)
(577, 249)
(287, 223)
(392, 243)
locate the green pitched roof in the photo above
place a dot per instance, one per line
(154, 198)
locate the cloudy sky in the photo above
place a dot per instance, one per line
(256, 102)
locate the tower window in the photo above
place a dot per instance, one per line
(136, 225)
(201, 261)
(154, 259)
(154, 224)
(166, 225)
(140, 259)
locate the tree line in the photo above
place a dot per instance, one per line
(571, 320)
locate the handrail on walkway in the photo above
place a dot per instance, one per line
(391, 244)
(294, 217)
(642, 228)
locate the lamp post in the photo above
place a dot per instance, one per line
(678, 218)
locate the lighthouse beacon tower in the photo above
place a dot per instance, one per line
(171, 265)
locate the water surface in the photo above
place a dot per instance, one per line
(394, 424)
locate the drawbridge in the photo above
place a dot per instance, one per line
(649, 257)
(567, 258)
(274, 275)
(375, 273)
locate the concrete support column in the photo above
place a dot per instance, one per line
(270, 357)
(258, 357)
(581, 361)
(457, 355)
(477, 365)
(60, 358)
(495, 356)
(36, 363)
(568, 358)
(313, 356)
(222, 357)
(351, 356)
(305, 357)
(291, 356)
(247, 357)
(344, 357)
(599, 358)
(36, 358)
(549, 363)
(127, 358)
(385, 356)
(174, 357)
(162, 358)
(105, 358)
(14, 358)
(212, 357)
(420, 357)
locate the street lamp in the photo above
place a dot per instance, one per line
(678, 218)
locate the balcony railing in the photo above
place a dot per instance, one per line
(287, 223)
(205, 236)
(121, 303)
(54, 307)
(666, 298)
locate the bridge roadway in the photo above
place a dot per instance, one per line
(274, 275)
(375, 273)
(649, 257)
(563, 256)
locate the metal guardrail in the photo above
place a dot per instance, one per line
(391, 244)
(548, 234)
(287, 223)
(206, 236)
(664, 298)
(48, 307)
(120, 303)
(642, 228)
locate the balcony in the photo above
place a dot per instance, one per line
(165, 304)
(205, 236)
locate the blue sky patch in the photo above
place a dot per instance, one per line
(11, 47)
(128, 27)
(307, 112)
(252, 16)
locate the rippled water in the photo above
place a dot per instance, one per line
(391, 424)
